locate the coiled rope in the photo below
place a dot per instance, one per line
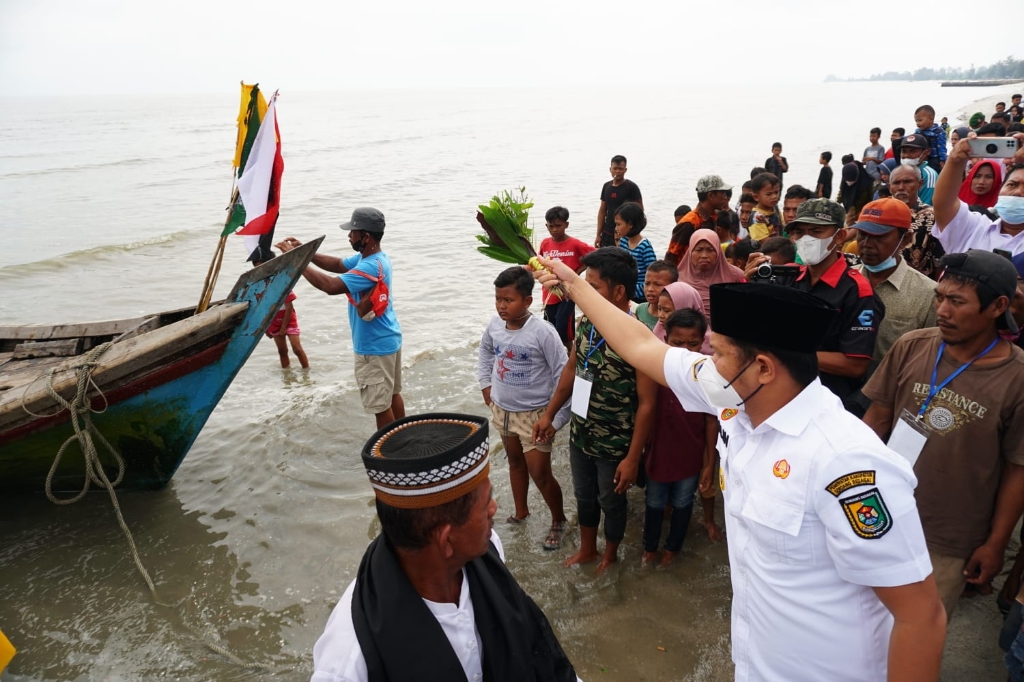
(80, 409)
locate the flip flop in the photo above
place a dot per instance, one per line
(554, 538)
(512, 520)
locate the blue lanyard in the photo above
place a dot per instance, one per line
(933, 390)
(590, 343)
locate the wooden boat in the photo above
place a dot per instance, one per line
(159, 380)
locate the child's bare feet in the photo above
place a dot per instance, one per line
(714, 532)
(581, 557)
(648, 558)
(667, 558)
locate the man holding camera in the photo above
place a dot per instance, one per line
(846, 352)
(958, 229)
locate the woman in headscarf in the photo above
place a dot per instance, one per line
(856, 189)
(981, 186)
(705, 264)
(680, 295)
(958, 134)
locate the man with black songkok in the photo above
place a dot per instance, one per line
(432, 600)
(830, 572)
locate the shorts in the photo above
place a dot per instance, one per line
(275, 325)
(519, 424)
(379, 377)
(948, 572)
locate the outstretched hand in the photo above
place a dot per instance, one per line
(555, 273)
(287, 244)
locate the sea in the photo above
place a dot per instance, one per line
(111, 206)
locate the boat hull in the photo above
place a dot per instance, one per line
(153, 418)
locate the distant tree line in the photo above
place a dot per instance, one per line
(1007, 68)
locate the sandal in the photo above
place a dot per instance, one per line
(554, 538)
(512, 520)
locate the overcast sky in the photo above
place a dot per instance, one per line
(118, 46)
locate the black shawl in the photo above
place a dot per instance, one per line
(401, 640)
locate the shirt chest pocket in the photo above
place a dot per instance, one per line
(781, 532)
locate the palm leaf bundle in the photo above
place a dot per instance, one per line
(507, 235)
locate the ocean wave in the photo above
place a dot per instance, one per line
(78, 168)
(355, 145)
(59, 263)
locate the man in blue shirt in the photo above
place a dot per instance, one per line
(376, 336)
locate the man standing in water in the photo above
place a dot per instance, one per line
(376, 339)
(830, 572)
(432, 600)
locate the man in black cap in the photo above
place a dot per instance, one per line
(830, 573)
(376, 335)
(951, 400)
(432, 600)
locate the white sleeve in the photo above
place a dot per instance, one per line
(337, 656)
(956, 236)
(485, 359)
(681, 368)
(865, 499)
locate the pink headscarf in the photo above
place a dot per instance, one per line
(684, 296)
(720, 272)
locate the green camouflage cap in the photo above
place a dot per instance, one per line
(712, 183)
(820, 212)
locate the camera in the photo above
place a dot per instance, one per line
(776, 274)
(994, 147)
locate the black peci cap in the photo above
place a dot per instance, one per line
(770, 315)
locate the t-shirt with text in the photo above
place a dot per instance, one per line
(977, 424)
(614, 197)
(570, 251)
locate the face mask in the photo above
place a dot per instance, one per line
(889, 262)
(813, 250)
(910, 162)
(359, 245)
(850, 183)
(1010, 209)
(717, 390)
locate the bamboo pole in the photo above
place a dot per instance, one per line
(218, 257)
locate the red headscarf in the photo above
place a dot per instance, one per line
(988, 200)
(720, 272)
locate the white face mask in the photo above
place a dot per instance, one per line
(910, 162)
(718, 391)
(813, 250)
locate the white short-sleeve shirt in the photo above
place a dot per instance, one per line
(818, 512)
(970, 230)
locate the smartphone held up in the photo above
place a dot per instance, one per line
(994, 147)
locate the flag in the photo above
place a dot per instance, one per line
(254, 211)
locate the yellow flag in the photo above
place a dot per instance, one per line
(243, 118)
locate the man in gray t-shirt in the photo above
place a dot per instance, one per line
(874, 154)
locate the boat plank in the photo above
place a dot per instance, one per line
(28, 350)
(142, 353)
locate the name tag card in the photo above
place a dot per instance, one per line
(909, 436)
(581, 389)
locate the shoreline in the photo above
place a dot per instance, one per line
(987, 104)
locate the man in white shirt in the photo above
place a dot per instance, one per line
(437, 562)
(830, 572)
(958, 228)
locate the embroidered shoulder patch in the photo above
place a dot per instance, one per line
(867, 514)
(696, 368)
(851, 480)
(729, 413)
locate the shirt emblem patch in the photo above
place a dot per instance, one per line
(781, 469)
(851, 480)
(729, 414)
(696, 367)
(867, 514)
(721, 479)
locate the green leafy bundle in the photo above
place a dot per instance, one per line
(507, 236)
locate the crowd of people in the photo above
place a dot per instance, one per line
(846, 372)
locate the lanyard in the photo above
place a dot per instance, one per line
(590, 344)
(933, 390)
